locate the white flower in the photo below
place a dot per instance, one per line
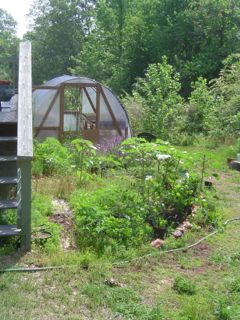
(163, 156)
(185, 175)
(148, 178)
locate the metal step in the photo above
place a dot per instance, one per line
(9, 230)
(8, 117)
(8, 204)
(8, 139)
(8, 158)
(8, 180)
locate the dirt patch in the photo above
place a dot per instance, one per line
(64, 217)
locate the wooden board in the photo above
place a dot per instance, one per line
(25, 132)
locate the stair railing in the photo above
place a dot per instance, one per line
(24, 143)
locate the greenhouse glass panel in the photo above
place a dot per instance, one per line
(82, 106)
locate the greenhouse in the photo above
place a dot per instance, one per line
(79, 106)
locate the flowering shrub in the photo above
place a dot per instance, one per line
(153, 189)
(159, 197)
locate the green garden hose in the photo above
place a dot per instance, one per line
(37, 269)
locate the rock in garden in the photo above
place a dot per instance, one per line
(177, 233)
(187, 225)
(157, 243)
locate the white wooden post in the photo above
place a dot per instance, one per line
(25, 141)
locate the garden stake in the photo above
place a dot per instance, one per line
(203, 171)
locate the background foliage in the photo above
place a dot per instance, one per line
(176, 62)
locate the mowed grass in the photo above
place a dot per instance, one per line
(200, 284)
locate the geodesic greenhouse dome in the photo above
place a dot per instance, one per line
(80, 106)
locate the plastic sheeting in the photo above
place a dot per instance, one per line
(50, 119)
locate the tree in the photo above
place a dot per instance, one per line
(102, 56)
(127, 36)
(8, 47)
(159, 91)
(201, 103)
(195, 35)
(225, 117)
(58, 31)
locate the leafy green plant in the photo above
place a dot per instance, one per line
(201, 102)
(159, 91)
(184, 286)
(225, 90)
(234, 285)
(82, 156)
(160, 196)
(50, 157)
(110, 217)
(196, 308)
(223, 310)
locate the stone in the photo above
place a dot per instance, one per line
(177, 233)
(158, 243)
(187, 225)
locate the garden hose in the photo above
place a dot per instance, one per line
(177, 249)
(37, 269)
(41, 230)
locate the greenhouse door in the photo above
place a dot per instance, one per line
(72, 120)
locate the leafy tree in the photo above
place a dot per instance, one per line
(8, 46)
(126, 36)
(201, 104)
(159, 91)
(225, 117)
(58, 32)
(195, 35)
(102, 56)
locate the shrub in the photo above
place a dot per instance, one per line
(159, 197)
(159, 93)
(225, 118)
(184, 286)
(162, 179)
(235, 285)
(201, 102)
(223, 310)
(50, 157)
(110, 217)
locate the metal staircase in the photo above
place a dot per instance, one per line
(8, 169)
(16, 152)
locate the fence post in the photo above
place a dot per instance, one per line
(25, 142)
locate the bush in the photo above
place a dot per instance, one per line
(159, 94)
(110, 217)
(156, 195)
(235, 285)
(162, 178)
(50, 157)
(225, 118)
(184, 286)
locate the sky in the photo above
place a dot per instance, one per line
(18, 10)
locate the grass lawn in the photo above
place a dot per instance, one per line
(200, 284)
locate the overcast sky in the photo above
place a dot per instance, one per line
(18, 10)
